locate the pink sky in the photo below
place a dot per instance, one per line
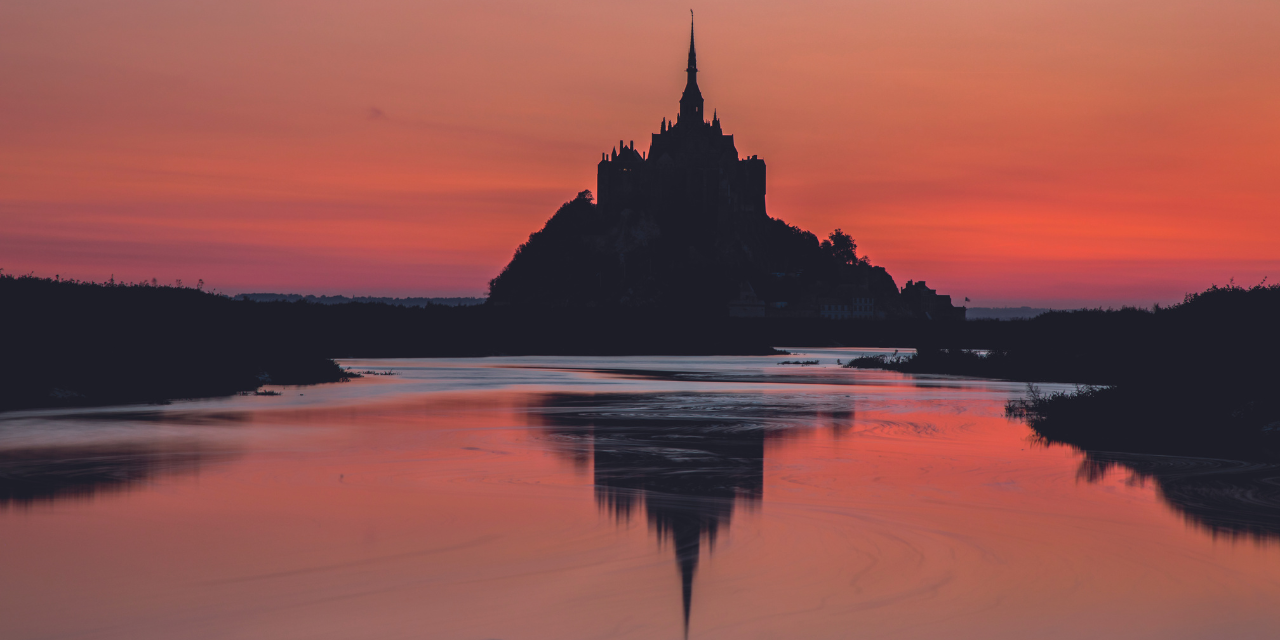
(1043, 153)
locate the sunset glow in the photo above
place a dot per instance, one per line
(1042, 153)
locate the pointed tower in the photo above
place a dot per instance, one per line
(691, 101)
(691, 176)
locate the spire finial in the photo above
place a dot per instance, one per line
(693, 55)
(691, 101)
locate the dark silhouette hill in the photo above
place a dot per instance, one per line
(683, 226)
(587, 256)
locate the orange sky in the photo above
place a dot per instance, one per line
(1015, 152)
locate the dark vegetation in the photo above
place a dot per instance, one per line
(76, 343)
(1198, 378)
(1180, 412)
(873, 362)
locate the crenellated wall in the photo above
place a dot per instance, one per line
(691, 174)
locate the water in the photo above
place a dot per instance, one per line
(527, 498)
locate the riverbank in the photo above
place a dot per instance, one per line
(1197, 378)
(80, 344)
(73, 343)
(1170, 417)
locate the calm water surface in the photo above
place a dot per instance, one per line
(516, 498)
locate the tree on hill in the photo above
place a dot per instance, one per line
(841, 248)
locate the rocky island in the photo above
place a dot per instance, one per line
(683, 226)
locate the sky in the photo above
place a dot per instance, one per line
(1028, 152)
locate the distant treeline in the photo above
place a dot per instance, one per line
(1004, 313)
(400, 302)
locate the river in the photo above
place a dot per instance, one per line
(637, 497)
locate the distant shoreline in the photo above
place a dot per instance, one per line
(395, 302)
(1007, 313)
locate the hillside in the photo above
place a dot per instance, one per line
(588, 256)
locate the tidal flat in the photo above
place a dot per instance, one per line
(619, 497)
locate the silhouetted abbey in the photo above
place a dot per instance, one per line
(684, 226)
(691, 173)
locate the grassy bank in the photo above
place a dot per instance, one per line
(72, 343)
(1163, 417)
(1198, 378)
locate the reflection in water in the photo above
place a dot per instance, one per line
(687, 458)
(88, 453)
(423, 504)
(47, 474)
(1224, 497)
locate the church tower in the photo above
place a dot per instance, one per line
(691, 178)
(691, 101)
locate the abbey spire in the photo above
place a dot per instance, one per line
(691, 101)
(692, 175)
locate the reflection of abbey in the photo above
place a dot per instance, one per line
(691, 170)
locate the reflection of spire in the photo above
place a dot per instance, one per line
(688, 458)
(687, 551)
(688, 469)
(679, 512)
(684, 520)
(688, 490)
